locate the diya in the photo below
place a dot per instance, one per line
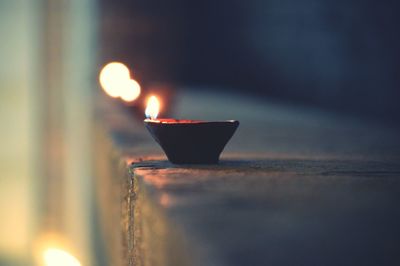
(188, 141)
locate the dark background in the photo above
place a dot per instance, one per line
(335, 54)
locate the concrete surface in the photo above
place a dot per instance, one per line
(295, 186)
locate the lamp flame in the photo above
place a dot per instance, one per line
(153, 107)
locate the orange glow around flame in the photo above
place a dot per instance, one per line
(116, 82)
(152, 108)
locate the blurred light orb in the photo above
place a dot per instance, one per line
(59, 257)
(113, 77)
(130, 90)
(152, 108)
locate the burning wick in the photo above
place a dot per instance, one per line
(152, 108)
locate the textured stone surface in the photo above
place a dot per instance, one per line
(280, 212)
(295, 187)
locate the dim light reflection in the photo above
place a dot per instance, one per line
(152, 108)
(159, 180)
(59, 257)
(166, 200)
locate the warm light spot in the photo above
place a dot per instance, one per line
(165, 200)
(130, 91)
(113, 77)
(59, 257)
(158, 180)
(153, 107)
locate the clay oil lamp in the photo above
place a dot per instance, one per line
(188, 141)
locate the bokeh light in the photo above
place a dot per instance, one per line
(59, 257)
(113, 77)
(130, 90)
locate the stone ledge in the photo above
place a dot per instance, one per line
(275, 212)
(293, 187)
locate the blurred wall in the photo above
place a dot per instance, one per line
(336, 54)
(342, 55)
(19, 28)
(68, 74)
(147, 35)
(48, 53)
